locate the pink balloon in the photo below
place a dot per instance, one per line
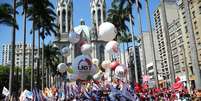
(114, 64)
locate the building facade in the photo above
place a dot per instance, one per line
(7, 55)
(65, 24)
(172, 14)
(195, 11)
(149, 55)
(179, 37)
(88, 34)
(131, 63)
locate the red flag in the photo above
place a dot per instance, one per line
(178, 86)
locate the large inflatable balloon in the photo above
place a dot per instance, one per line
(105, 64)
(65, 51)
(111, 47)
(74, 37)
(83, 66)
(86, 49)
(121, 71)
(114, 64)
(107, 31)
(61, 67)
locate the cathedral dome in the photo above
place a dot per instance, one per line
(83, 29)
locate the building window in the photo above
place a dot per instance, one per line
(64, 21)
(195, 25)
(193, 13)
(99, 16)
(186, 29)
(180, 40)
(200, 9)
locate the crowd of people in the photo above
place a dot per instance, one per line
(111, 91)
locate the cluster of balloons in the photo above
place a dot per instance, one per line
(120, 70)
(84, 66)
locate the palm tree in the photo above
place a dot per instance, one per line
(13, 51)
(152, 42)
(6, 17)
(42, 14)
(138, 7)
(169, 53)
(51, 57)
(128, 4)
(46, 25)
(194, 53)
(118, 16)
(24, 4)
(6, 12)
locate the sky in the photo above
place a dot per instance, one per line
(81, 9)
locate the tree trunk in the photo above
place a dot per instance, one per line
(46, 78)
(167, 39)
(13, 52)
(49, 77)
(134, 71)
(193, 47)
(38, 62)
(33, 60)
(24, 49)
(43, 63)
(142, 41)
(152, 43)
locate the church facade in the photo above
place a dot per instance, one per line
(88, 34)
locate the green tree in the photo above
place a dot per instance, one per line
(6, 15)
(51, 55)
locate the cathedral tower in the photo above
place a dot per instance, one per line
(64, 19)
(98, 12)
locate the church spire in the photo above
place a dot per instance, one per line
(98, 12)
(65, 18)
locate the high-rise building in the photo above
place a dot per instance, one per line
(131, 63)
(177, 47)
(172, 14)
(195, 11)
(149, 55)
(7, 55)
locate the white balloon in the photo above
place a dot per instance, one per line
(62, 67)
(86, 48)
(65, 51)
(83, 66)
(95, 61)
(74, 37)
(107, 31)
(105, 64)
(111, 47)
(121, 71)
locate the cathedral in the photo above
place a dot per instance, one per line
(87, 34)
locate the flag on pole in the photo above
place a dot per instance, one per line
(5, 91)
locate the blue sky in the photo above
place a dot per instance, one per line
(81, 9)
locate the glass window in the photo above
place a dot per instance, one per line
(200, 9)
(64, 21)
(193, 13)
(195, 25)
(186, 29)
